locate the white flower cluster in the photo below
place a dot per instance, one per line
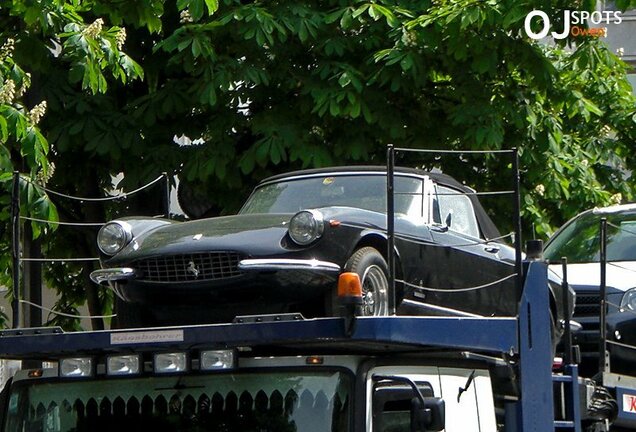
(185, 17)
(43, 178)
(121, 38)
(37, 112)
(7, 49)
(409, 38)
(7, 92)
(318, 131)
(94, 29)
(540, 189)
(26, 82)
(620, 52)
(606, 130)
(617, 198)
(585, 163)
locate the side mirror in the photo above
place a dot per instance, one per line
(400, 403)
(428, 416)
(449, 219)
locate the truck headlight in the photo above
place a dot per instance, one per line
(171, 362)
(629, 300)
(77, 367)
(113, 236)
(306, 226)
(217, 359)
(123, 365)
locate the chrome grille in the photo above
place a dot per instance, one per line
(189, 267)
(587, 305)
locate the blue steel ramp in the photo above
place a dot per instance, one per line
(494, 335)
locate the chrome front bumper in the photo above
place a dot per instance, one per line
(103, 276)
(282, 264)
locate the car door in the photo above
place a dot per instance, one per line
(460, 262)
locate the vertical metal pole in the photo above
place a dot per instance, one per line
(567, 355)
(602, 364)
(31, 277)
(15, 243)
(166, 198)
(390, 224)
(517, 221)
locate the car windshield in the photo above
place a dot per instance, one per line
(317, 401)
(364, 191)
(580, 241)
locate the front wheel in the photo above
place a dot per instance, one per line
(373, 270)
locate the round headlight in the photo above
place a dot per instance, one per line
(113, 236)
(306, 226)
(629, 300)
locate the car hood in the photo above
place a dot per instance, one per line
(619, 275)
(253, 234)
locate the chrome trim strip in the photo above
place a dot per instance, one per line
(444, 312)
(103, 276)
(288, 264)
(336, 173)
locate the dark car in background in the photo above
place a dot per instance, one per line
(293, 237)
(579, 241)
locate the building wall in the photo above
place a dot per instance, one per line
(622, 38)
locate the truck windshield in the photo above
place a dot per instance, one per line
(318, 401)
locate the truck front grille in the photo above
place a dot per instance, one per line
(189, 267)
(587, 305)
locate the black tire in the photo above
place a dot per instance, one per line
(373, 270)
(130, 315)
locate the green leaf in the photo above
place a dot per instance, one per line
(346, 20)
(212, 5)
(355, 109)
(516, 14)
(334, 16)
(247, 162)
(302, 31)
(196, 9)
(344, 79)
(275, 153)
(4, 129)
(591, 106)
(359, 11)
(196, 48)
(406, 63)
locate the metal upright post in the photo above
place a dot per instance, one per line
(15, 249)
(517, 221)
(166, 198)
(390, 224)
(567, 355)
(602, 361)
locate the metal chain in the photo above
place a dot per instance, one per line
(108, 198)
(65, 314)
(459, 290)
(96, 224)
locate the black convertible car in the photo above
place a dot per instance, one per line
(293, 237)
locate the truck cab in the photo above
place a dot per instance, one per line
(224, 390)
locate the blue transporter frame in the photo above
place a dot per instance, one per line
(526, 339)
